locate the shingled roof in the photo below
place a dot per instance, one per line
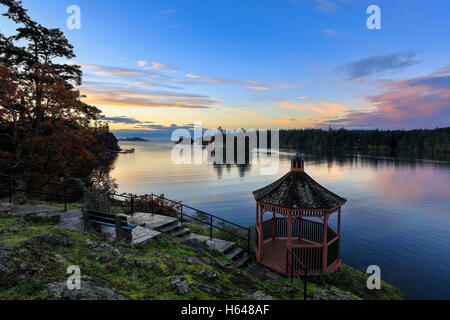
(297, 190)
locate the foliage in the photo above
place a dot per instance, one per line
(437, 140)
(97, 195)
(45, 128)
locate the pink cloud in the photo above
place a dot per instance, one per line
(422, 102)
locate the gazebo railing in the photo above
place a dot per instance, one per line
(310, 247)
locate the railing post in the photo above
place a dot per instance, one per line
(181, 212)
(305, 284)
(153, 207)
(248, 240)
(211, 228)
(132, 205)
(10, 190)
(65, 200)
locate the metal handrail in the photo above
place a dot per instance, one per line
(132, 199)
(211, 217)
(296, 260)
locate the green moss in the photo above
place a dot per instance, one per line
(140, 283)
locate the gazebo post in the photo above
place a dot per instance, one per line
(289, 243)
(339, 233)
(274, 226)
(261, 235)
(325, 244)
(300, 228)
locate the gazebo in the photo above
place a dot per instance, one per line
(300, 210)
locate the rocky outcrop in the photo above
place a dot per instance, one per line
(333, 293)
(56, 239)
(102, 246)
(88, 291)
(42, 217)
(259, 295)
(181, 284)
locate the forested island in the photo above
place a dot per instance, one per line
(436, 140)
(133, 139)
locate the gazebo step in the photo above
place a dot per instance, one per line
(234, 254)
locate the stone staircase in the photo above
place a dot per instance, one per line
(173, 227)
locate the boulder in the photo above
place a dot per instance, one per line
(332, 293)
(61, 258)
(181, 284)
(42, 217)
(25, 253)
(7, 265)
(88, 291)
(99, 257)
(259, 295)
(261, 273)
(57, 239)
(206, 273)
(212, 290)
(102, 246)
(5, 207)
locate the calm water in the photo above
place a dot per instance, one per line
(397, 215)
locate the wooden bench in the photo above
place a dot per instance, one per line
(93, 220)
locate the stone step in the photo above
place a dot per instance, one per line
(234, 254)
(5, 207)
(145, 239)
(167, 227)
(241, 261)
(228, 247)
(172, 227)
(181, 233)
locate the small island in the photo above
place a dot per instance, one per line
(133, 139)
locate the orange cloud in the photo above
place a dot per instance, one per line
(322, 107)
(258, 88)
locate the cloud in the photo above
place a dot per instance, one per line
(302, 98)
(258, 88)
(160, 67)
(377, 64)
(330, 32)
(213, 80)
(322, 107)
(142, 63)
(113, 94)
(156, 84)
(169, 11)
(121, 119)
(325, 5)
(252, 82)
(422, 102)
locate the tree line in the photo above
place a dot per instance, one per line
(423, 140)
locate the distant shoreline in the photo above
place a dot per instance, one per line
(133, 139)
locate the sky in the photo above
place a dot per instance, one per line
(152, 66)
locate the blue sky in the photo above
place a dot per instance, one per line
(260, 64)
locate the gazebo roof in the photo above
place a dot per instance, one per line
(297, 190)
